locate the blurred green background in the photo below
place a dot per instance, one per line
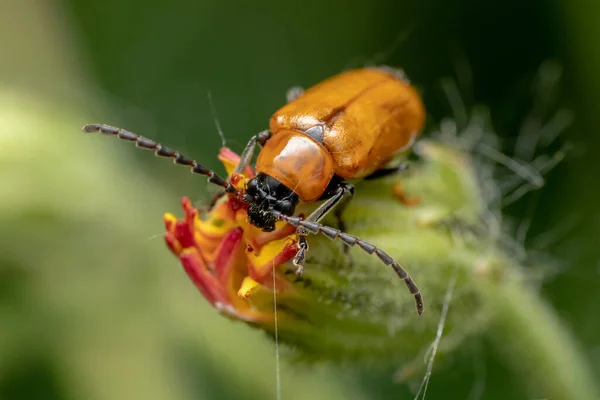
(92, 306)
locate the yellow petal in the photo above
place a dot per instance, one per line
(248, 287)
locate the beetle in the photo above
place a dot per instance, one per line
(347, 127)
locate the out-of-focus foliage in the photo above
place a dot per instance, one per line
(91, 303)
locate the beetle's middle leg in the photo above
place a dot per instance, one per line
(343, 194)
(338, 212)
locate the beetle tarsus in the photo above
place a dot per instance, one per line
(300, 256)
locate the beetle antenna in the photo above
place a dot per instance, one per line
(162, 151)
(350, 240)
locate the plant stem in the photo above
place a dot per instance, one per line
(537, 343)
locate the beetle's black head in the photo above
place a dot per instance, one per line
(268, 194)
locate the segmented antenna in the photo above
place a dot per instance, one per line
(161, 151)
(350, 240)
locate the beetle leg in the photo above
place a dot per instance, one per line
(337, 213)
(300, 256)
(293, 93)
(341, 198)
(261, 138)
(383, 172)
(331, 191)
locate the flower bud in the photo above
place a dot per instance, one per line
(436, 220)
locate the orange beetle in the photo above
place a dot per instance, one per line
(345, 128)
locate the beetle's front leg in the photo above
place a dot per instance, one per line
(260, 139)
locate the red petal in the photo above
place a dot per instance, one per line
(207, 283)
(172, 243)
(184, 235)
(226, 254)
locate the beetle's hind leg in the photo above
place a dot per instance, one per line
(399, 191)
(342, 196)
(385, 172)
